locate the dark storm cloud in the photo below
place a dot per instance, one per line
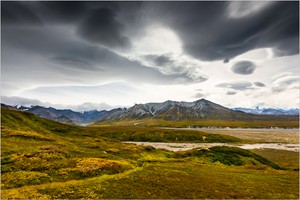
(52, 12)
(55, 54)
(243, 67)
(61, 11)
(101, 26)
(18, 14)
(208, 32)
(237, 85)
(94, 21)
(259, 84)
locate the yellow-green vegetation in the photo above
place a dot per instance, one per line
(41, 159)
(228, 156)
(285, 122)
(91, 167)
(21, 178)
(150, 134)
(25, 134)
(195, 179)
(286, 159)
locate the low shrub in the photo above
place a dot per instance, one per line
(72, 192)
(228, 156)
(90, 167)
(26, 135)
(21, 178)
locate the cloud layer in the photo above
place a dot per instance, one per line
(208, 30)
(100, 26)
(285, 81)
(237, 85)
(14, 101)
(68, 46)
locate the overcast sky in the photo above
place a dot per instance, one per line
(100, 55)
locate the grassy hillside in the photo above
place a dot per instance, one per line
(279, 121)
(151, 134)
(286, 159)
(45, 159)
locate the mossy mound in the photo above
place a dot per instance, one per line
(228, 156)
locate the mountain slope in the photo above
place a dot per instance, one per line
(50, 113)
(175, 111)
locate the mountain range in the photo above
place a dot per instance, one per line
(269, 111)
(64, 116)
(169, 110)
(173, 110)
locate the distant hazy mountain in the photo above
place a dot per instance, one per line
(268, 111)
(8, 106)
(64, 116)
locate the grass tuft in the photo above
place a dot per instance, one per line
(21, 178)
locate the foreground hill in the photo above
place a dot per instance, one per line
(43, 159)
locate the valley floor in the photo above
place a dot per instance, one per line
(272, 135)
(188, 146)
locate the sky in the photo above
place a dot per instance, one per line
(102, 55)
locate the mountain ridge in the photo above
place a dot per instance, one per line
(67, 116)
(170, 110)
(201, 109)
(268, 111)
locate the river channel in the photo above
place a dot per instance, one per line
(188, 146)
